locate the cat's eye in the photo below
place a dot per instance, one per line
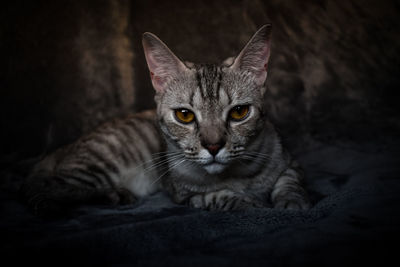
(239, 113)
(184, 115)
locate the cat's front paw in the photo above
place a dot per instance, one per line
(223, 200)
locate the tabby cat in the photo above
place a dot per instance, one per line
(209, 144)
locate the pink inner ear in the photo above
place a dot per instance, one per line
(158, 82)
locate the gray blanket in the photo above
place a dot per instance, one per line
(355, 219)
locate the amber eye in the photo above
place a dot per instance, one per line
(238, 113)
(184, 115)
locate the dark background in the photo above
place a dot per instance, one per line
(67, 66)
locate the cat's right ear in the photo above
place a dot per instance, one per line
(254, 56)
(162, 63)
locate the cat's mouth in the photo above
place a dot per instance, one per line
(212, 164)
(214, 167)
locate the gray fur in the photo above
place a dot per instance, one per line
(252, 168)
(136, 156)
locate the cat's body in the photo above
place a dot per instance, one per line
(116, 163)
(252, 149)
(209, 144)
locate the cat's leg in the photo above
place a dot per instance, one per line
(288, 191)
(224, 200)
(52, 196)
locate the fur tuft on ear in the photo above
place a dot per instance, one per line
(255, 55)
(162, 63)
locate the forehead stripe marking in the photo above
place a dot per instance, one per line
(229, 96)
(191, 97)
(198, 77)
(218, 82)
(210, 81)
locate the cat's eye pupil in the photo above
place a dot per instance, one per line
(239, 109)
(184, 112)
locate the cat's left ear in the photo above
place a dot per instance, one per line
(255, 55)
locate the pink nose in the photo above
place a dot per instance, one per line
(213, 149)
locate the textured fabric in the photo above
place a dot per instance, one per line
(354, 219)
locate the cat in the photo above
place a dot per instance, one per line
(209, 144)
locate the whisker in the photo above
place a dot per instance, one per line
(258, 157)
(160, 163)
(171, 167)
(157, 158)
(257, 153)
(166, 152)
(253, 159)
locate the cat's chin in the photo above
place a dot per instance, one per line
(214, 168)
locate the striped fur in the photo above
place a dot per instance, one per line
(116, 163)
(213, 162)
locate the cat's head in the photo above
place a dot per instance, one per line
(210, 113)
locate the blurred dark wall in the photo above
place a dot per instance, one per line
(69, 65)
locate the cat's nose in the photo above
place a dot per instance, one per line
(214, 148)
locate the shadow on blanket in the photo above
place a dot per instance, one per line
(355, 219)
